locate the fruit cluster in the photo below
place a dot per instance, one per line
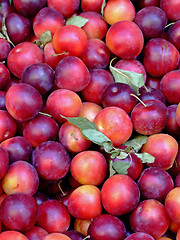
(90, 120)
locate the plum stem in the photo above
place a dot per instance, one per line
(87, 237)
(138, 99)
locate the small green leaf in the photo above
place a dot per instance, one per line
(137, 142)
(108, 147)
(81, 122)
(95, 136)
(102, 7)
(111, 170)
(10, 2)
(45, 37)
(121, 167)
(77, 20)
(145, 157)
(133, 79)
(122, 155)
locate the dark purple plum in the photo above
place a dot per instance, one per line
(150, 118)
(152, 21)
(19, 27)
(155, 183)
(18, 148)
(119, 95)
(40, 76)
(108, 227)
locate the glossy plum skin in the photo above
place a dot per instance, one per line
(108, 227)
(118, 10)
(4, 77)
(18, 211)
(96, 27)
(19, 28)
(96, 55)
(11, 235)
(89, 110)
(166, 157)
(8, 125)
(99, 80)
(160, 57)
(91, 5)
(74, 235)
(39, 76)
(152, 21)
(169, 86)
(35, 233)
(5, 48)
(172, 9)
(155, 183)
(70, 40)
(172, 204)
(67, 8)
(50, 57)
(21, 177)
(23, 55)
(139, 236)
(40, 129)
(151, 93)
(116, 39)
(173, 34)
(56, 236)
(149, 119)
(119, 202)
(53, 216)
(63, 102)
(51, 160)
(26, 104)
(115, 123)
(172, 126)
(47, 19)
(18, 148)
(146, 218)
(75, 78)
(119, 95)
(4, 162)
(72, 138)
(29, 8)
(85, 202)
(89, 167)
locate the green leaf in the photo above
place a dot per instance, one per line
(102, 7)
(95, 136)
(45, 37)
(137, 142)
(81, 122)
(121, 167)
(108, 147)
(133, 79)
(122, 155)
(145, 157)
(10, 2)
(111, 170)
(77, 20)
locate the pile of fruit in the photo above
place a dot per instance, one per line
(90, 120)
